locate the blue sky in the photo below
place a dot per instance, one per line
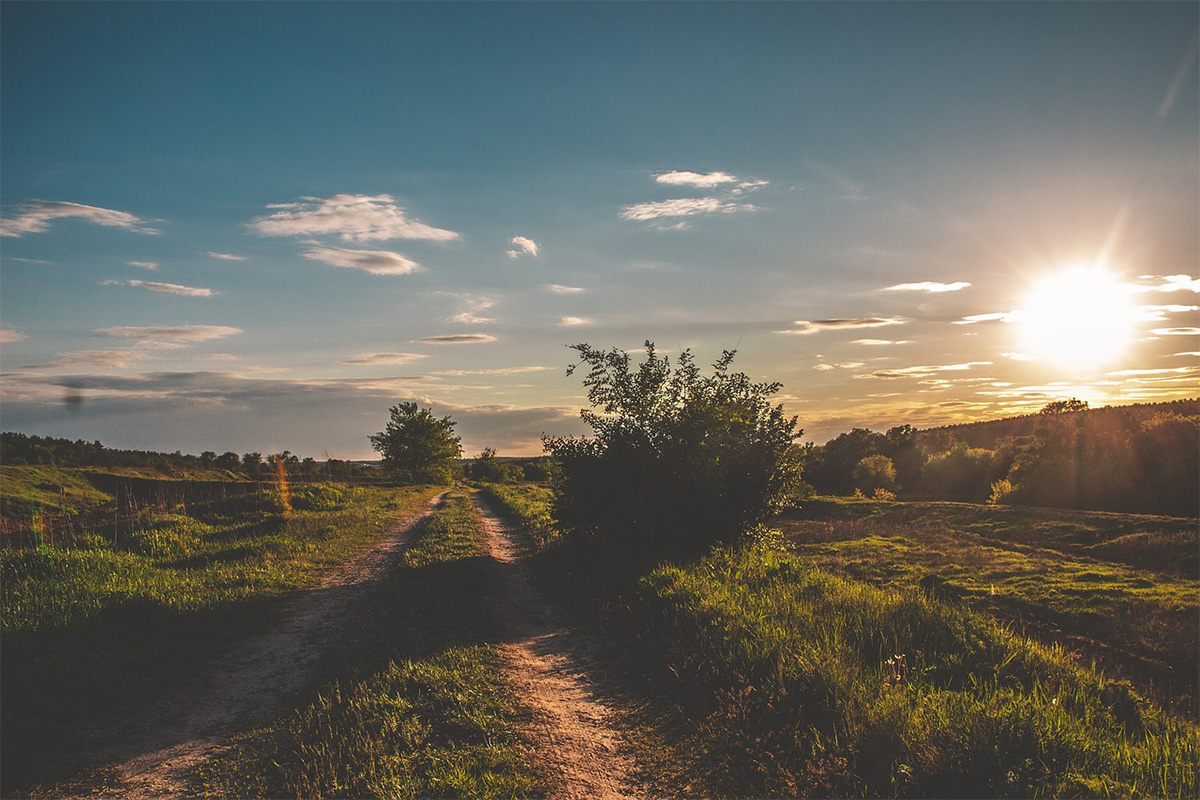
(256, 226)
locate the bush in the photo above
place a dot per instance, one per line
(678, 460)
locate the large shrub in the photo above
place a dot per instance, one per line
(678, 460)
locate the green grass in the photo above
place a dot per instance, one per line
(418, 705)
(114, 622)
(529, 507)
(1140, 621)
(799, 682)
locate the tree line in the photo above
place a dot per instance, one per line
(22, 449)
(1135, 459)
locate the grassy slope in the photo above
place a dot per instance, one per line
(86, 631)
(417, 705)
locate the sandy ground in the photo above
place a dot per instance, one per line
(247, 685)
(576, 742)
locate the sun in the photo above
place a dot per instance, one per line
(1080, 317)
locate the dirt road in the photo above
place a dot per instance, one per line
(572, 729)
(245, 686)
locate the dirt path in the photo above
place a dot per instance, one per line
(571, 728)
(247, 685)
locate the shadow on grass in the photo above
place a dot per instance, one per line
(139, 678)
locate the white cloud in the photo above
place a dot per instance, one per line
(824, 367)
(523, 246)
(384, 359)
(1171, 283)
(574, 321)
(226, 257)
(172, 333)
(168, 288)
(928, 286)
(682, 207)
(459, 338)
(558, 288)
(704, 181)
(143, 264)
(470, 303)
(8, 336)
(35, 216)
(998, 316)
(1176, 331)
(376, 262)
(351, 217)
(880, 342)
(923, 371)
(805, 327)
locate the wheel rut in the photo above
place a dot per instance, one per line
(572, 728)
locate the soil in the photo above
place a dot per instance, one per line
(578, 745)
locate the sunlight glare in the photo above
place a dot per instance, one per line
(1080, 317)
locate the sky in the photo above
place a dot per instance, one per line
(257, 226)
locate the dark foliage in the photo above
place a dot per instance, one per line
(417, 447)
(678, 460)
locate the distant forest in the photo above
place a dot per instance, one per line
(18, 448)
(1142, 458)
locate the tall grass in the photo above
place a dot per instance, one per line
(804, 683)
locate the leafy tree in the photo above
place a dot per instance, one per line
(417, 447)
(960, 473)
(489, 468)
(875, 472)
(678, 460)
(1064, 406)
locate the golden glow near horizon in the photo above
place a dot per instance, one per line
(1080, 317)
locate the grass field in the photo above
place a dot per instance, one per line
(895, 649)
(114, 620)
(417, 706)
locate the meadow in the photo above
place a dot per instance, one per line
(848, 648)
(868, 649)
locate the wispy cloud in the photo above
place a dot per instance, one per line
(704, 181)
(880, 342)
(928, 286)
(805, 327)
(351, 217)
(8, 336)
(384, 359)
(470, 303)
(167, 288)
(459, 338)
(558, 288)
(35, 216)
(682, 207)
(523, 245)
(996, 316)
(95, 359)
(458, 373)
(376, 262)
(171, 333)
(923, 371)
(143, 264)
(226, 257)
(571, 321)
(1176, 331)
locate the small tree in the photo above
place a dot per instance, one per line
(417, 447)
(875, 472)
(678, 460)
